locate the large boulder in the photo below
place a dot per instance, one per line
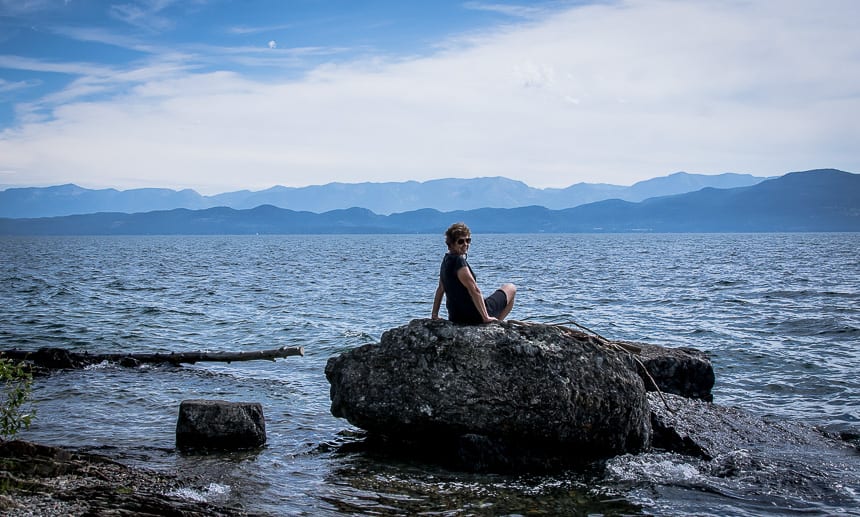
(495, 396)
(220, 425)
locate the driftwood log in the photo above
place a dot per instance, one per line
(58, 358)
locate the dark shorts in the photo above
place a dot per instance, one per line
(496, 302)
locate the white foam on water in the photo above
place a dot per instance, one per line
(202, 495)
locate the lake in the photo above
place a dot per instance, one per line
(778, 313)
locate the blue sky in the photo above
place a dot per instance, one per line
(220, 95)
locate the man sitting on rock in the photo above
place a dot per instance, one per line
(463, 299)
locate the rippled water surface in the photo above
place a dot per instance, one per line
(779, 314)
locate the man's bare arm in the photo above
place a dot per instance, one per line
(466, 278)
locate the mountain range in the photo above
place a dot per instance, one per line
(380, 198)
(825, 200)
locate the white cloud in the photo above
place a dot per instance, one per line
(602, 93)
(517, 11)
(273, 44)
(245, 29)
(37, 65)
(11, 86)
(100, 35)
(144, 14)
(18, 8)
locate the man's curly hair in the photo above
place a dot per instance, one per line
(455, 231)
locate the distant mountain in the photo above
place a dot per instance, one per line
(681, 182)
(821, 200)
(381, 198)
(72, 199)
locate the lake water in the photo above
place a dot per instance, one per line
(779, 314)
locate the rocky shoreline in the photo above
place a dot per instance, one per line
(506, 397)
(41, 480)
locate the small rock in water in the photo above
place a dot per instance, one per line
(220, 425)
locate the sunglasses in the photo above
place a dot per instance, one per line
(467, 240)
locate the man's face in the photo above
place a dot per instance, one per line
(461, 244)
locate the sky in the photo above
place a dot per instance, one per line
(223, 95)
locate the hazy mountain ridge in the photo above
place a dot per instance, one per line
(380, 198)
(821, 200)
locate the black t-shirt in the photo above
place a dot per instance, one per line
(461, 308)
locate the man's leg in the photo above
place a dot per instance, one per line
(510, 291)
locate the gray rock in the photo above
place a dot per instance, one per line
(682, 371)
(501, 395)
(48, 481)
(707, 430)
(766, 458)
(220, 425)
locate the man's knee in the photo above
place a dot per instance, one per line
(510, 290)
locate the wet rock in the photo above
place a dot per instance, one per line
(46, 481)
(776, 463)
(707, 430)
(682, 371)
(496, 396)
(220, 425)
(848, 433)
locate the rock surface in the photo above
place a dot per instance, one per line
(46, 481)
(682, 371)
(707, 430)
(220, 425)
(771, 457)
(495, 396)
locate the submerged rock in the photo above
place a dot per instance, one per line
(494, 396)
